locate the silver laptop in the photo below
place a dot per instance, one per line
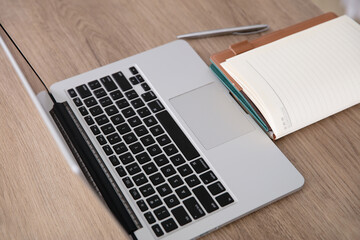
(164, 144)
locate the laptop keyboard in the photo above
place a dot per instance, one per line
(166, 176)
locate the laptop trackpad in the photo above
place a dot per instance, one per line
(212, 115)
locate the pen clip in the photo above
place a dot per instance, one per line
(251, 32)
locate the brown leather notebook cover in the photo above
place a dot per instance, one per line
(244, 46)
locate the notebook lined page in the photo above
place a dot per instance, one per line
(304, 77)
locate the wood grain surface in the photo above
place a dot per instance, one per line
(42, 199)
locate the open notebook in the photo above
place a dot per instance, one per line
(304, 77)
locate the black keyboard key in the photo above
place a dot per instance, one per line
(107, 149)
(101, 139)
(150, 121)
(216, 188)
(89, 102)
(77, 102)
(72, 93)
(224, 199)
(137, 103)
(156, 179)
(128, 112)
(133, 168)
(181, 216)
(208, 177)
(142, 205)
(95, 130)
(161, 213)
(154, 150)
(143, 112)
(199, 165)
(150, 168)
(122, 103)
(140, 179)
(126, 158)
(121, 80)
(154, 201)
(123, 128)
(156, 130)
(136, 148)
(143, 157)
(111, 110)
(131, 95)
(205, 199)
(99, 93)
(108, 83)
(170, 149)
(194, 208)
(168, 170)
(183, 192)
(83, 111)
(149, 217)
(89, 120)
(185, 170)
(161, 160)
(83, 91)
(114, 160)
(157, 230)
(155, 106)
(146, 191)
(163, 140)
(171, 201)
(94, 84)
(134, 121)
(96, 110)
(135, 193)
(169, 225)
(145, 86)
(106, 101)
(102, 119)
(120, 148)
(117, 119)
(140, 131)
(121, 171)
(177, 160)
(177, 135)
(134, 80)
(115, 95)
(107, 129)
(133, 70)
(147, 140)
(164, 189)
(128, 183)
(129, 138)
(192, 181)
(139, 78)
(175, 181)
(148, 96)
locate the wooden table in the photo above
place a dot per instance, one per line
(42, 199)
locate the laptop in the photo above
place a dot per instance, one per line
(162, 142)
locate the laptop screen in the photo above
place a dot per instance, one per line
(33, 79)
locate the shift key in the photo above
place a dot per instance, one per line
(194, 208)
(121, 80)
(205, 199)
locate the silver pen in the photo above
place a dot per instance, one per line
(244, 30)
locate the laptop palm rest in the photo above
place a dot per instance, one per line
(212, 115)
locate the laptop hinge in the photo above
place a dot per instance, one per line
(93, 167)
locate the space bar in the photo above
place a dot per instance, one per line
(177, 135)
